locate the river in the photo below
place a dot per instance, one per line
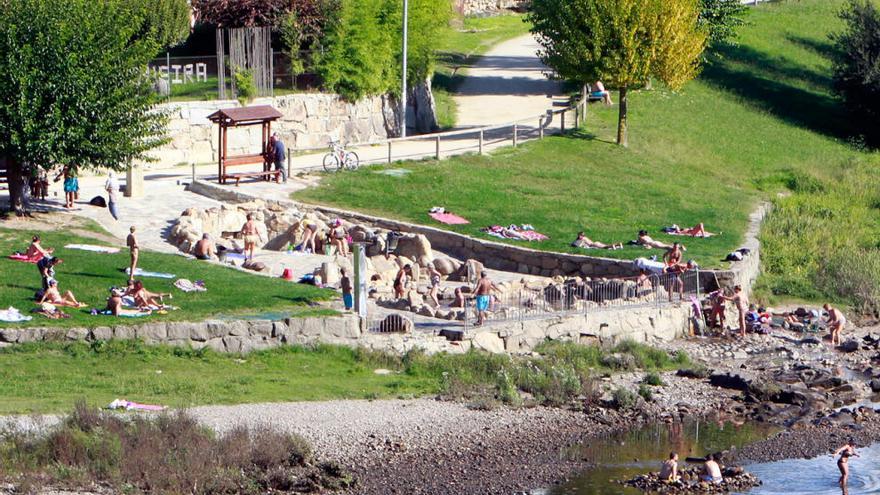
(627, 454)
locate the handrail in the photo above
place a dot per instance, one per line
(459, 132)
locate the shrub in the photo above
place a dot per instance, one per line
(654, 379)
(623, 398)
(856, 72)
(853, 275)
(245, 86)
(645, 392)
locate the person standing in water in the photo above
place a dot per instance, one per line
(845, 452)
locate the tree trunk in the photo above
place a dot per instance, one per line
(424, 108)
(621, 119)
(15, 178)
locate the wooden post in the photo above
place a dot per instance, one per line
(540, 129)
(389, 151)
(562, 122)
(515, 129)
(437, 156)
(577, 115)
(481, 141)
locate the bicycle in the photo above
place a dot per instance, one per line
(339, 158)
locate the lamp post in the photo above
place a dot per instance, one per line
(403, 76)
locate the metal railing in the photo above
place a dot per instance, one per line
(570, 298)
(575, 297)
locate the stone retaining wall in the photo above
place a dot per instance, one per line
(473, 7)
(606, 327)
(309, 120)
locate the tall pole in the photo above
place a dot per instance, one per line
(403, 76)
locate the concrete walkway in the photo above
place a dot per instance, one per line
(506, 84)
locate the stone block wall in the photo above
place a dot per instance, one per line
(310, 120)
(476, 7)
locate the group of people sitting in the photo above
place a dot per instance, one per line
(50, 296)
(711, 469)
(643, 239)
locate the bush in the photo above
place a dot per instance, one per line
(166, 454)
(653, 379)
(623, 398)
(645, 392)
(245, 86)
(856, 72)
(853, 275)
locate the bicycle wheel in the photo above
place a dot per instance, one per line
(352, 162)
(331, 162)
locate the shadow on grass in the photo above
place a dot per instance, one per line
(824, 49)
(770, 83)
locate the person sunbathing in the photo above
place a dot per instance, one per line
(145, 299)
(53, 296)
(114, 302)
(645, 240)
(699, 230)
(585, 242)
(37, 251)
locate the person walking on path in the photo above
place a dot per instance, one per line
(133, 249)
(251, 236)
(742, 304)
(278, 154)
(836, 322)
(483, 292)
(112, 187)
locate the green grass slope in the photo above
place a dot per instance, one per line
(90, 275)
(761, 119)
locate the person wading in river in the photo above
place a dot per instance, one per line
(483, 293)
(845, 452)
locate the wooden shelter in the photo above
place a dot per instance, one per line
(226, 118)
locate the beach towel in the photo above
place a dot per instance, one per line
(93, 248)
(235, 256)
(188, 286)
(25, 259)
(649, 265)
(448, 218)
(125, 313)
(143, 273)
(133, 406)
(518, 233)
(13, 315)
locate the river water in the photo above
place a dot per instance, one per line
(625, 455)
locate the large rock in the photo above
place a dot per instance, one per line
(416, 247)
(489, 342)
(445, 266)
(472, 267)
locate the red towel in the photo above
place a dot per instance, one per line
(21, 257)
(448, 218)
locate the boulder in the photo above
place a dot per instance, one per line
(472, 267)
(360, 233)
(329, 273)
(489, 342)
(425, 310)
(849, 346)
(416, 247)
(445, 266)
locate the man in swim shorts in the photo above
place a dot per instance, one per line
(251, 236)
(712, 472)
(483, 292)
(669, 469)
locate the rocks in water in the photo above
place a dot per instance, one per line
(735, 479)
(849, 346)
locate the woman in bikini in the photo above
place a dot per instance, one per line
(53, 296)
(585, 242)
(310, 230)
(434, 289)
(251, 236)
(645, 240)
(145, 299)
(845, 452)
(401, 281)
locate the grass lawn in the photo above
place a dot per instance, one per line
(89, 275)
(468, 39)
(45, 378)
(760, 120)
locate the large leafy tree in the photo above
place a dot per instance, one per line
(74, 89)
(241, 13)
(721, 19)
(623, 43)
(167, 21)
(857, 61)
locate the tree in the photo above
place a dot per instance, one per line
(167, 21)
(241, 13)
(722, 18)
(74, 89)
(620, 42)
(857, 60)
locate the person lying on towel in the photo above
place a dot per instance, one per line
(585, 242)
